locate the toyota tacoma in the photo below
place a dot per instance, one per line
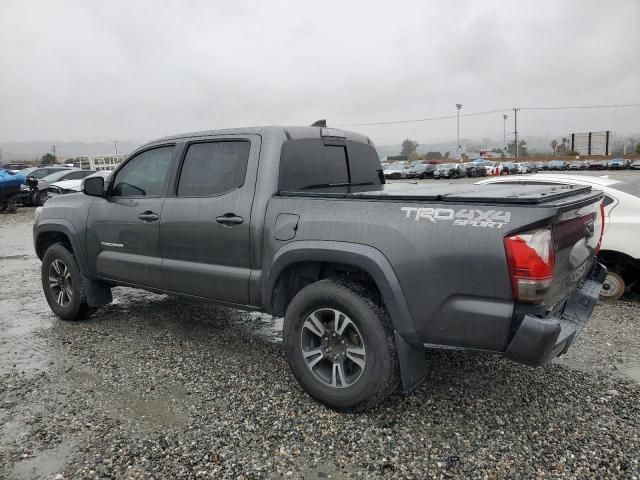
(299, 222)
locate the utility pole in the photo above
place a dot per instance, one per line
(55, 159)
(504, 133)
(459, 106)
(515, 131)
(115, 146)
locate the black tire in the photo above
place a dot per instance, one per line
(613, 287)
(380, 375)
(39, 198)
(72, 305)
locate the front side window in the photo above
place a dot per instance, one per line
(213, 168)
(144, 175)
(40, 174)
(55, 176)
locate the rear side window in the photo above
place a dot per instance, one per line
(303, 164)
(144, 175)
(213, 168)
(364, 164)
(75, 176)
(310, 163)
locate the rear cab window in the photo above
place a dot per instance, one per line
(321, 162)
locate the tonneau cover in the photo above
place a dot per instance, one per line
(465, 193)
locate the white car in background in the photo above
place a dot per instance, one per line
(71, 186)
(620, 250)
(396, 171)
(492, 168)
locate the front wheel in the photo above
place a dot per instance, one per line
(340, 345)
(62, 284)
(40, 197)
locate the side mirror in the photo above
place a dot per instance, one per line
(93, 186)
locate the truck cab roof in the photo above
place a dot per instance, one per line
(288, 132)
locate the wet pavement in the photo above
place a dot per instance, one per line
(157, 387)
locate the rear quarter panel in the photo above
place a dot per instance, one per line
(454, 275)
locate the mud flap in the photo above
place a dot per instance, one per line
(96, 293)
(413, 364)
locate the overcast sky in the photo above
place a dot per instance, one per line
(136, 70)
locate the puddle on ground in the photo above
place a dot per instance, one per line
(155, 411)
(325, 471)
(633, 373)
(265, 326)
(45, 465)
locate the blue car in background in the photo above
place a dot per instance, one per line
(13, 185)
(10, 183)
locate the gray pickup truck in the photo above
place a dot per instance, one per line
(298, 222)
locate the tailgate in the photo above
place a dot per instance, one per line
(576, 233)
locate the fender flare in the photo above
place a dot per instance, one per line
(96, 292)
(413, 367)
(60, 225)
(361, 256)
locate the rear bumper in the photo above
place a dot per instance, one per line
(539, 340)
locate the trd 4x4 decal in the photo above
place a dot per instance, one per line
(464, 217)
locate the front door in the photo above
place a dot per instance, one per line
(205, 225)
(123, 227)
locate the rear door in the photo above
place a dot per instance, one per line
(123, 227)
(205, 226)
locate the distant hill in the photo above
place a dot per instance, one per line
(23, 151)
(27, 151)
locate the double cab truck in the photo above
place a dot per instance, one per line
(299, 222)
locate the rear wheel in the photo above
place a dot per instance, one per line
(340, 346)
(613, 287)
(62, 284)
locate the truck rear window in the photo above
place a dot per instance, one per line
(310, 163)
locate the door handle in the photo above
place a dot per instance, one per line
(148, 216)
(229, 219)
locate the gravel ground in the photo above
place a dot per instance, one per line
(155, 387)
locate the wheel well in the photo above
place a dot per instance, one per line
(619, 262)
(298, 275)
(46, 239)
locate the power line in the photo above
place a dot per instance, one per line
(488, 112)
(573, 107)
(443, 117)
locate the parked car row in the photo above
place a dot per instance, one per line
(613, 164)
(483, 167)
(33, 185)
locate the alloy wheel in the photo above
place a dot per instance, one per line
(333, 348)
(60, 283)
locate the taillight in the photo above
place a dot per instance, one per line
(531, 258)
(599, 227)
